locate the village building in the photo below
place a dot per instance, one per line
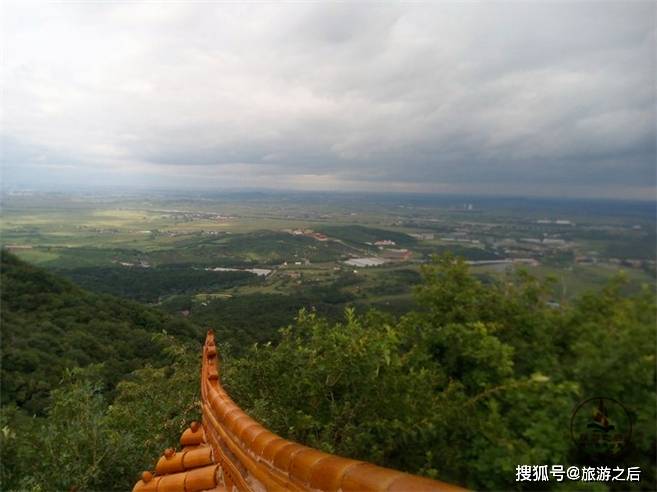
(397, 254)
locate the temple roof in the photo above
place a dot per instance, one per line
(231, 451)
(192, 469)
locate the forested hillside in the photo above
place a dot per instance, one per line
(477, 379)
(148, 285)
(50, 325)
(92, 389)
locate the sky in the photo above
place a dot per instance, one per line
(495, 98)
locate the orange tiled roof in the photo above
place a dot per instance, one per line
(231, 451)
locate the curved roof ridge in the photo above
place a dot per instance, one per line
(230, 450)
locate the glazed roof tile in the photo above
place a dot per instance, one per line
(231, 451)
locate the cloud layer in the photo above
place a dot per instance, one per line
(546, 99)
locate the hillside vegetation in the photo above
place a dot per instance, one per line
(150, 284)
(50, 325)
(474, 380)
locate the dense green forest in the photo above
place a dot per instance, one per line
(50, 325)
(267, 313)
(149, 284)
(93, 386)
(474, 380)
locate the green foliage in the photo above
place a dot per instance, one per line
(152, 408)
(266, 314)
(335, 389)
(84, 443)
(479, 379)
(49, 325)
(639, 248)
(617, 334)
(276, 247)
(74, 443)
(149, 284)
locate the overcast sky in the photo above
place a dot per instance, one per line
(527, 98)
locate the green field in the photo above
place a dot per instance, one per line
(153, 249)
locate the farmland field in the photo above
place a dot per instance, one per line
(167, 250)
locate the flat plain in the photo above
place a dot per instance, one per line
(163, 248)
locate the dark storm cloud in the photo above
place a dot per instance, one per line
(462, 96)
